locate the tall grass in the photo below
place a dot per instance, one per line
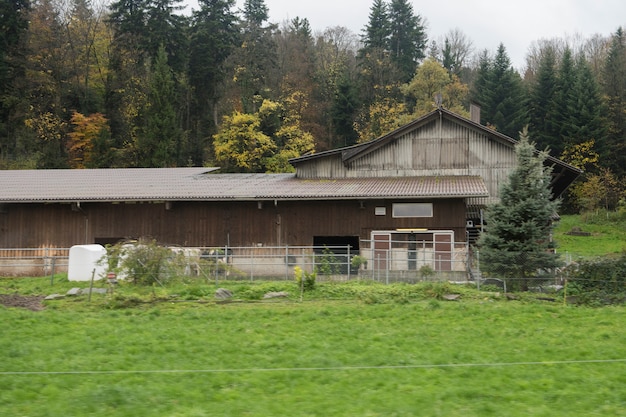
(476, 357)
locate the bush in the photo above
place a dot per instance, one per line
(327, 263)
(602, 279)
(304, 279)
(145, 262)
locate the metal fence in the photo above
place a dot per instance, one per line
(391, 262)
(33, 261)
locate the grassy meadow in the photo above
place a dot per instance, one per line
(342, 349)
(607, 235)
(358, 349)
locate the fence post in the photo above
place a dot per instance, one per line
(52, 273)
(348, 261)
(286, 262)
(252, 250)
(387, 267)
(479, 276)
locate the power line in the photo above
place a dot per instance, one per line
(309, 369)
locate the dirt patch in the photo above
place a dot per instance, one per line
(30, 302)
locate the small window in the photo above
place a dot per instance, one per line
(413, 210)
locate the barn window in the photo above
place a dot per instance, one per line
(413, 210)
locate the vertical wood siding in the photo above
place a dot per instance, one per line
(440, 147)
(211, 223)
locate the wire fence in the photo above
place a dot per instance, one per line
(386, 262)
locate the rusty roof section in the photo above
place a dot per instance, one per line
(199, 184)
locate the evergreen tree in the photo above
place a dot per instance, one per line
(254, 62)
(214, 36)
(377, 30)
(161, 136)
(542, 104)
(563, 99)
(517, 241)
(613, 151)
(14, 26)
(125, 91)
(255, 12)
(407, 38)
(343, 111)
(479, 90)
(585, 111)
(129, 19)
(164, 27)
(503, 99)
(508, 99)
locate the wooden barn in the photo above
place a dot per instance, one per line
(424, 182)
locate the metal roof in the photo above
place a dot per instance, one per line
(199, 184)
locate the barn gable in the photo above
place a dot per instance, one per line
(440, 143)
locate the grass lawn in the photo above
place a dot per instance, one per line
(416, 356)
(607, 238)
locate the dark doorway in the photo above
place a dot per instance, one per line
(336, 252)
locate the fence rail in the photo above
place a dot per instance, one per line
(389, 261)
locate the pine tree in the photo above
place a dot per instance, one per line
(214, 35)
(585, 110)
(563, 99)
(254, 62)
(377, 30)
(407, 38)
(343, 111)
(517, 241)
(13, 15)
(613, 151)
(479, 91)
(542, 102)
(508, 99)
(161, 135)
(500, 92)
(164, 27)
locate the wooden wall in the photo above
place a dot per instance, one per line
(440, 147)
(212, 223)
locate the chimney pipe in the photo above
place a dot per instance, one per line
(475, 112)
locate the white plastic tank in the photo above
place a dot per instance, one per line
(84, 259)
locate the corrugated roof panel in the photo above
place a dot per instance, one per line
(199, 184)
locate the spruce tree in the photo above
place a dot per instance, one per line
(377, 30)
(516, 243)
(563, 100)
(613, 151)
(542, 104)
(213, 37)
(161, 135)
(506, 96)
(585, 111)
(407, 38)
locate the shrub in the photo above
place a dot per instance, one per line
(144, 262)
(304, 279)
(327, 263)
(601, 280)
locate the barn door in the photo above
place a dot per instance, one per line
(382, 247)
(443, 251)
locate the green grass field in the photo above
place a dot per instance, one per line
(380, 355)
(352, 349)
(608, 236)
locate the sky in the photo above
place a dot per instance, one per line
(486, 23)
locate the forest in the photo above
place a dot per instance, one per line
(141, 83)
